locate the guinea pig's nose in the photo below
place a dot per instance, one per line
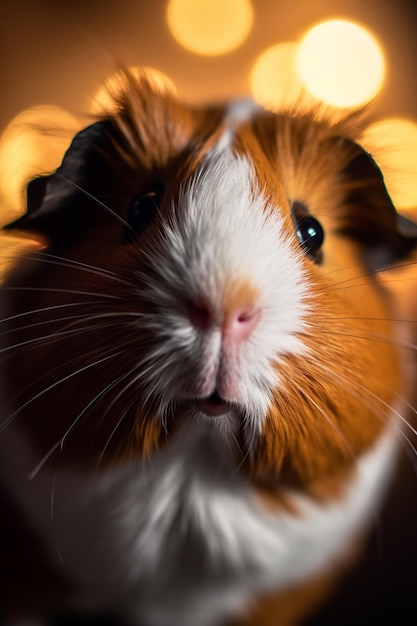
(236, 324)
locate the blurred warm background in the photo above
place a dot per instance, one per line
(58, 51)
(56, 55)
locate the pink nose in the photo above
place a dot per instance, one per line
(236, 325)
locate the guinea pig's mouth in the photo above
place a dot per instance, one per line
(213, 405)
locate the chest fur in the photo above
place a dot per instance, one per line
(183, 534)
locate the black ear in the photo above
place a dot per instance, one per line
(54, 202)
(35, 194)
(373, 220)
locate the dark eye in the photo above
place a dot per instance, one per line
(142, 213)
(310, 234)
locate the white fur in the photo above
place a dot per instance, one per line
(223, 230)
(237, 112)
(182, 539)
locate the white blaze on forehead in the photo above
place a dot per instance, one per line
(240, 111)
(237, 112)
(232, 233)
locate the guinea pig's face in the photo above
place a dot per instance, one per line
(215, 265)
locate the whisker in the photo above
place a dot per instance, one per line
(74, 361)
(342, 285)
(43, 323)
(59, 290)
(42, 310)
(53, 259)
(101, 394)
(85, 316)
(333, 426)
(58, 335)
(57, 383)
(368, 274)
(113, 432)
(340, 270)
(378, 402)
(119, 395)
(96, 200)
(378, 338)
(73, 327)
(410, 450)
(59, 445)
(361, 318)
(249, 447)
(42, 462)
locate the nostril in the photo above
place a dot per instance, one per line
(200, 314)
(240, 325)
(245, 316)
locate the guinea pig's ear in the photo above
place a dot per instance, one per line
(373, 220)
(35, 194)
(51, 208)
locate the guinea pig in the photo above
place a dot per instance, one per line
(202, 390)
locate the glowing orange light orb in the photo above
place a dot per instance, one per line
(341, 63)
(210, 27)
(394, 143)
(274, 81)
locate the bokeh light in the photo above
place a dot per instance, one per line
(274, 81)
(104, 100)
(210, 27)
(32, 144)
(393, 142)
(341, 63)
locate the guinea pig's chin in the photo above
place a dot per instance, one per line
(215, 409)
(213, 406)
(224, 422)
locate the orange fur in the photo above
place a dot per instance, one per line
(237, 295)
